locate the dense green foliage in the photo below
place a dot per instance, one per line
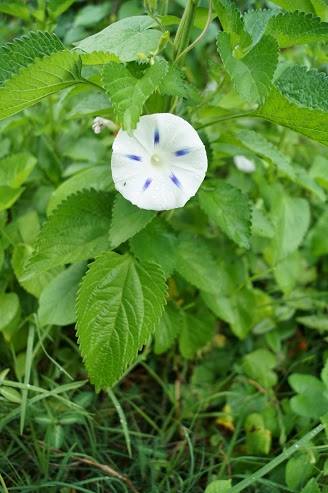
(178, 351)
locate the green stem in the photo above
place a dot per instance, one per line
(245, 483)
(225, 118)
(202, 34)
(181, 39)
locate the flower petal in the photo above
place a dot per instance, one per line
(161, 165)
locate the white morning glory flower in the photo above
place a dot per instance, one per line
(161, 164)
(244, 164)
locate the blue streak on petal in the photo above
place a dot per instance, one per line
(134, 157)
(147, 183)
(175, 180)
(182, 152)
(156, 136)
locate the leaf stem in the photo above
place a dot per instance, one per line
(182, 35)
(245, 483)
(225, 118)
(202, 34)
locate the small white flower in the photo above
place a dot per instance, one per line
(100, 123)
(161, 164)
(244, 164)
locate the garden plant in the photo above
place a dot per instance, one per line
(164, 246)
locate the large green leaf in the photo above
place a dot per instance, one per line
(318, 7)
(168, 329)
(195, 263)
(252, 74)
(291, 218)
(156, 243)
(288, 29)
(127, 220)
(195, 333)
(308, 121)
(304, 87)
(76, 230)
(57, 300)
(120, 303)
(128, 93)
(129, 38)
(33, 67)
(228, 208)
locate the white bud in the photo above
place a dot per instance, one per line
(244, 164)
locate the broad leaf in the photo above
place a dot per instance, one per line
(129, 94)
(76, 230)
(252, 74)
(120, 303)
(231, 21)
(228, 208)
(307, 121)
(291, 218)
(96, 177)
(288, 29)
(32, 68)
(196, 264)
(15, 169)
(196, 332)
(129, 39)
(168, 329)
(127, 220)
(304, 87)
(57, 300)
(156, 243)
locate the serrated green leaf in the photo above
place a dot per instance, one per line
(15, 169)
(296, 28)
(256, 22)
(318, 7)
(304, 87)
(195, 333)
(127, 38)
(120, 303)
(195, 263)
(57, 300)
(252, 74)
(75, 231)
(307, 121)
(127, 220)
(24, 51)
(129, 94)
(168, 329)
(229, 209)
(156, 243)
(231, 20)
(96, 177)
(32, 68)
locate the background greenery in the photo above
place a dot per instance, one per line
(237, 371)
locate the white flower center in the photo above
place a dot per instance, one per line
(155, 160)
